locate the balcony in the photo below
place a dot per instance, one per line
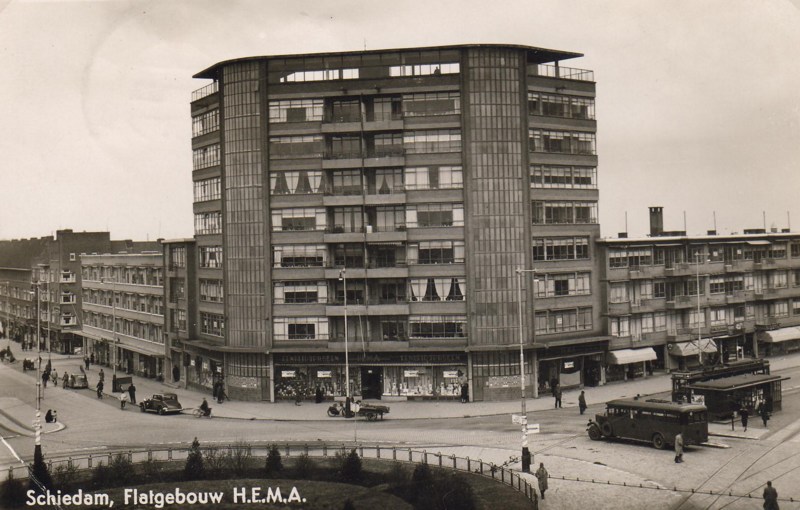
(67, 277)
(68, 299)
(200, 93)
(68, 320)
(619, 308)
(564, 73)
(678, 302)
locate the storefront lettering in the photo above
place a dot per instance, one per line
(370, 359)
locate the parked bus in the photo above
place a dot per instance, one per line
(653, 420)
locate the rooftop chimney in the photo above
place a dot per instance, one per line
(656, 221)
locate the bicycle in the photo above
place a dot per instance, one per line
(199, 413)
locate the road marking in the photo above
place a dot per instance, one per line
(13, 452)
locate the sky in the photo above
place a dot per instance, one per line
(697, 106)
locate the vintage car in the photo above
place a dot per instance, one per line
(161, 403)
(77, 381)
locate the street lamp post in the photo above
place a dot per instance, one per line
(526, 455)
(343, 279)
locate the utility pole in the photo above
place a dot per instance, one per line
(526, 454)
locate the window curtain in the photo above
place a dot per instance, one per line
(417, 288)
(431, 293)
(455, 293)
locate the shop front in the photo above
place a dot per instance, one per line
(626, 364)
(424, 376)
(141, 362)
(779, 341)
(571, 366)
(690, 355)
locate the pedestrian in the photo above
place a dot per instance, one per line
(65, 380)
(744, 415)
(763, 411)
(91, 359)
(55, 416)
(553, 384)
(101, 375)
(770, 497)
(541, 475)
(679, 448)
(298, 396)
(215, 390)
(463, 383)
(221, 392)
(318, 395)
(48, 417)
(45, 378)
(557, 394)
(123, 399)
(86, 362)
(132, 393)
(176, 373)
(582, 402)
(54, 377)
(100, 389)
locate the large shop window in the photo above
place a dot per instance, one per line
(426, 381)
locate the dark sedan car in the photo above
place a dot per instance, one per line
(161, 403)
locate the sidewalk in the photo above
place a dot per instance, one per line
(408, 410)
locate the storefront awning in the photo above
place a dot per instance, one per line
(758, 243)
(779, 335)
(625, 356)
(692, 348)
(142, 350)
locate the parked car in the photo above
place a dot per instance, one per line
(161, 403)
(77, 381)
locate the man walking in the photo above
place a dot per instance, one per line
(132, 393)
(542, 475)
(582, 402)
(557, 394)
(763, 412)
(744, 415)
(679, 448)
(770, 497)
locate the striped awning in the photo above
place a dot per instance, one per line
(692, 348)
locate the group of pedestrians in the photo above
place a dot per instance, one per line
(128, 395)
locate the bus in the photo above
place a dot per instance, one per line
(653, 420)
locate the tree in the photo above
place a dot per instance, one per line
(351, 467)
(194, 468)
(40, 480)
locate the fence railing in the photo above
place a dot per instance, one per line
(501, 474)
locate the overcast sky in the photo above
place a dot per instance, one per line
(698, 102)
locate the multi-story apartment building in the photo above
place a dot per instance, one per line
(123, 311)
(17, 302)
(674, 301)
(393, 195)
(181, 315)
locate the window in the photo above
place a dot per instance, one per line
(435, 215)
(348, 219)
(717, 285)
(299, 255)
(208, 223)
(295, 110)
(557, 105)
(437, 289)
(309, 218)
(563, 142)
(618, 292)
(563, 284)
(443, 177)
(305, 146)
(779, 279)
(348, 255)
(562, 212)
(639, 257)
(568, 248)
(212, 324)
(777, 251)
(779, 309)
(436, 252)
(431, 141)
(211, 291)
(425, 69)
(393, 330)
(697, 320)
(347, 182)
(718, 316)
(205, 157)
(444, 326)
(555, 176)
(431, 103)
(323, 75)
(796, 306)
(344, 147)
(301, 328)
(211, 256)
(299, 182)
(389, 218)
(208, 189)
(177, 256)
(205, 123)
(294, 292)
(795, 247)
(561, 321)
(619, 326)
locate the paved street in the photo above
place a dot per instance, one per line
(477, 430)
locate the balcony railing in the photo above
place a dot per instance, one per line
(386, 151)
(205, 91)
(566, 73)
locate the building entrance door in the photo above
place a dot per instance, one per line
(371, 382)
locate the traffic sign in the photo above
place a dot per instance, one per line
(533, 428)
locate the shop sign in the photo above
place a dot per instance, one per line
(321, 374)
(287, 374)
(450, 374)
(410, 373)
(372, 359)
(569, 364)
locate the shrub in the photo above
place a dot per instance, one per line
(215, 461)
(422, 473)
(351, 467)
(120, 470)
(152, 471)
(274, 463)
(101, 476)
(304, 467)
(64, 475)
(397, 474)
(12, 493)
(348, 505)
(238, 458)
(194, 468)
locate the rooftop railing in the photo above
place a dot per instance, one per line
(209, 89)
(566, 73)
